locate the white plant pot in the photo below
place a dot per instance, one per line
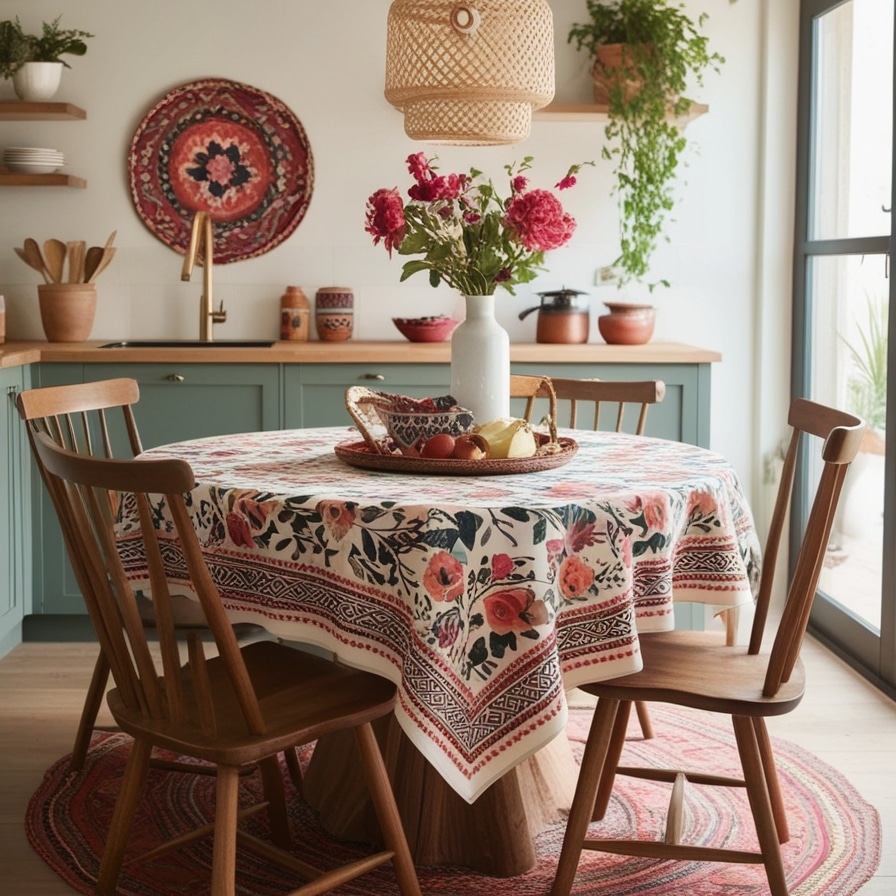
(37, 81)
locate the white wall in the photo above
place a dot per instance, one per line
(730, 243)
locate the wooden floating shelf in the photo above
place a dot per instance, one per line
(13, 111)
(12, 179)
(596, 112)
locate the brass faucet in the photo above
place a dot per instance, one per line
(201, 244)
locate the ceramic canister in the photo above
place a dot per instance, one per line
(334, 312)
(294, 314)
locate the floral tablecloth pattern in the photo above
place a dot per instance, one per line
(483, 598)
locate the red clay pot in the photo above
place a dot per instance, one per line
(627, 323)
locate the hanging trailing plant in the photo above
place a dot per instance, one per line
(662, 51)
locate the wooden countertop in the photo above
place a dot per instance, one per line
(15, 354)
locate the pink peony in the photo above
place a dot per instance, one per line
(385, 218)
(538, 221)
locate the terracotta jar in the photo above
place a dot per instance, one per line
(627, 323)
(334, 313)
(295, 313)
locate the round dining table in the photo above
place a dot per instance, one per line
(484, 598)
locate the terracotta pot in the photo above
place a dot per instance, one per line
(627, 323)
(608, 59)
(67, 310)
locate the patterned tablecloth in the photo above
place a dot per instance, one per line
(482, 597)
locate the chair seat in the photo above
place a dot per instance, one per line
(331, 697)
(694, 669)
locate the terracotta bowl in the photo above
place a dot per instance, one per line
(425, 329)
(627, 323)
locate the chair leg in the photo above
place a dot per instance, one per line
(386, 810)
(611, 763)
(771, 779)
(226, 817)
(123, 817)
(92, 703)
(275, 795)
(644, 719)
(294, 767)
(600, 737)
(760, 804)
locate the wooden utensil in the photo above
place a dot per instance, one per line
(91, 261)
(33, 257)
(102, 264)
(75, 251)
(54, 255)
(31, 264)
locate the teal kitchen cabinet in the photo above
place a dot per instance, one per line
(15, 512)
(177, 402)
(314, 394)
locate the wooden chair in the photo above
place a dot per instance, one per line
(749, 683)
(96, 418)
(618, 396)
(238, 708)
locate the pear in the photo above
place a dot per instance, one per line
(508, 437)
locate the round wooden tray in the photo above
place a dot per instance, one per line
(360, 454)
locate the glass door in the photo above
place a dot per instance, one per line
(842, 295)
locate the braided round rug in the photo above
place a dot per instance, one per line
(834, 846)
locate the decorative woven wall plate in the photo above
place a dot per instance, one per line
(228, 149)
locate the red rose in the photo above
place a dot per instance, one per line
(514, 610)
(239, 531)
(575, 577)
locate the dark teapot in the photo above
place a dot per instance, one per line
(560, 317)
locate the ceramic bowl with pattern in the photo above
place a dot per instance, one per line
(409, 427)
(425, 329)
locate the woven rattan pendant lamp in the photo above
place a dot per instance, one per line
(469, 73)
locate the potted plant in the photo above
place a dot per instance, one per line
(34, 61)
(645, 54)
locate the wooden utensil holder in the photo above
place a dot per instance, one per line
(67, 310)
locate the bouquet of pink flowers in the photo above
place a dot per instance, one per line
(468, 235)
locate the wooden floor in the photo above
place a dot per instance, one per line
(843, 720)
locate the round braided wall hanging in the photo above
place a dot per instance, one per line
(224, 148)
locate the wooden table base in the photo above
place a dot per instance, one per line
(494, 835)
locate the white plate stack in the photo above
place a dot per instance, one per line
(32, 159)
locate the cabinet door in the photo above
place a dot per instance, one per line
(14, 576)
(177, 402)
(314, 394)
(189, 401)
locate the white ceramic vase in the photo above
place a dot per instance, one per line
(35, 82)
(480, 361)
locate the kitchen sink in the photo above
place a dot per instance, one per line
(189, 343)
